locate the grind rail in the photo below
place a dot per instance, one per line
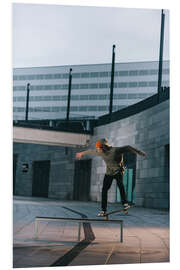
(79, 221)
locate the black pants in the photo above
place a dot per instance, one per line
(106, 186)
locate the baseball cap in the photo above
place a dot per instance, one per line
(102, 142)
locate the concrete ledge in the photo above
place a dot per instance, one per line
(49, 137)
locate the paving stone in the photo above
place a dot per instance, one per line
(146, 235)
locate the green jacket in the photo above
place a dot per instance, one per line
(113, 157)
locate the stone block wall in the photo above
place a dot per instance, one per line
(61, 169)
(148, 131)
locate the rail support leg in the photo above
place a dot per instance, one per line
(79, 231)
(121, 231)
(36, 228)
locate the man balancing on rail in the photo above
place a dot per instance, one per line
(113, 157)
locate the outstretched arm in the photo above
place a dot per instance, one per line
(130, 149)
(87, 152)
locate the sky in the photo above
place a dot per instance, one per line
(56, 35)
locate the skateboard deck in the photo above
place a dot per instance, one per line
(106, 216)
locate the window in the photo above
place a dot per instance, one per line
(64, 86)
(74, 109)
(142, 84)
(132, 96)
(20, 109)
(102, 108)
(57, 76)
(84, 86)
(20, 98)
(133, 73)
(75, 86)
(48, 76)
(73, 97)
(120, 96)
(82, 108)
(15, 77)
(55, 109)
(46, 87)
(39, 77)
(165, 71)
(83, 97)
(94, 74)
(143, 72)
(37, 87)
(56, 98)
(115, 73)
(103, 74)
(132, 84)
(19, 88)
(46, 109)
(103, 85)
(93, 85)
(122, 85)
(153, 83)
(76, 75)
(123, 73)
(62, 109)
(31, 77)
(85, 75)
(102, 97)
(65, 75)
(22, 77)
(165, 83)
(153, 71)
(92, 108)
(56, 86)
(64, 98)
(93, 97)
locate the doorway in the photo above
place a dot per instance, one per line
(82, 178)
(40, 185)
(129, 178)
(15, 158)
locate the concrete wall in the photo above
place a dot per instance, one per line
(61, 169)
(148, 131)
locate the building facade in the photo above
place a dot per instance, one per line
(90, 89)
(53, 172)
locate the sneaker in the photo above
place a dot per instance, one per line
(126, 206)
(102, 214)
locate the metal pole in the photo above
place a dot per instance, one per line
(121, 232)
(79, 231)
(161, 53)
(112, 81)
(36, 228)
(27, 101)
(69, 95)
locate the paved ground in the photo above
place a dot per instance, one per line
(146, 235)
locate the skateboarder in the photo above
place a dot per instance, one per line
(113, 157)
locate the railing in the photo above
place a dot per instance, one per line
(135, 108)
(75, 126)
(79, 221)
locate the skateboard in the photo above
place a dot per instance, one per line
(106, 216)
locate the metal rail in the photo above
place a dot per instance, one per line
(79, 221)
